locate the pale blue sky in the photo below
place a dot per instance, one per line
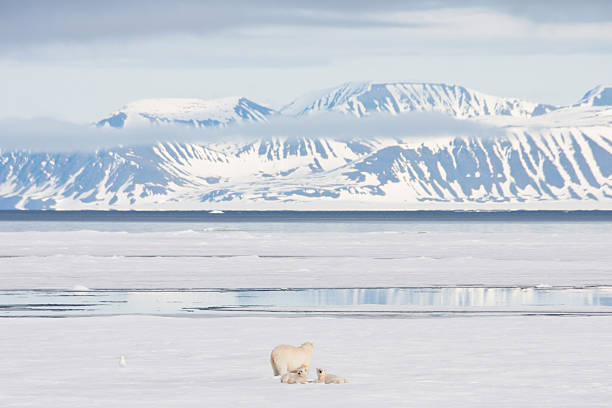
(78, 61)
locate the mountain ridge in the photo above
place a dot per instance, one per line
(559, 155)
(362, 98)
(357, 98)
(187, 111)
(599, 96)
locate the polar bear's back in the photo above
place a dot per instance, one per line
(285, 358)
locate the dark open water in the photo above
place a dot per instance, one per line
(307, 216)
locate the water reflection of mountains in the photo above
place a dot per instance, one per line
(175, 302)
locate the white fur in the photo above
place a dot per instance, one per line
(299, 377)
(286, 358)
(324, 377)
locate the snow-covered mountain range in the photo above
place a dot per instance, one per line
(187, 111)
(364, 98)
(547, 157)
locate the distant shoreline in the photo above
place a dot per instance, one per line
(308, 216)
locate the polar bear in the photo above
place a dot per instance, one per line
(324, 377)
(299, 377)
(286, 358)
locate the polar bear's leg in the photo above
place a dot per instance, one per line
(274, 368)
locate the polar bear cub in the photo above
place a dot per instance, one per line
(324, 377)
(286, 358)
(299, 377)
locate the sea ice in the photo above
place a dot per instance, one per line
(225, 362)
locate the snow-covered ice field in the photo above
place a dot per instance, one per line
(296, 255)
(224, 362)
(218, 360)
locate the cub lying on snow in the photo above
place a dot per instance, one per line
(286, 358)
(324, 377)
(299, 377)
